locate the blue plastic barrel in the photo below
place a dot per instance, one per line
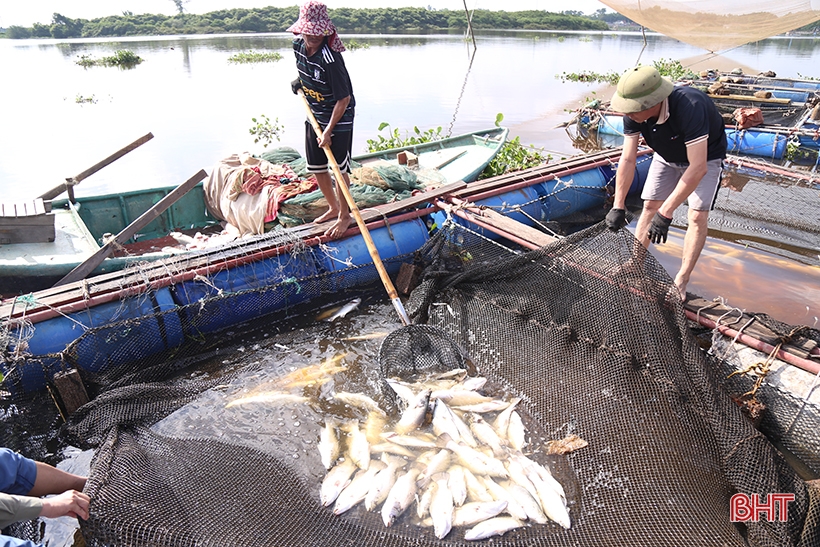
(611, 125)
(794, 96)
(245, 292)
(756, 143)
(569, 194)
(137, 329)
(392, 241)
(638, 179)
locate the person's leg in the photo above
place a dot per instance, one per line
(317, 166)
(341, 145)
(326, 186)
(693, 243)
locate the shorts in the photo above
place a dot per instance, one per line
(341, 144)
(663, 177)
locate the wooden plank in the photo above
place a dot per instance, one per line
(750, 98)
(512, 227)
(39, 207)
(82, 271)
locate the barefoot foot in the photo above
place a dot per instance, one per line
(339, 228)
(327, 215)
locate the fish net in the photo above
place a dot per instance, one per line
(584, 332)
(718, 26)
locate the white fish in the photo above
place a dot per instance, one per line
(444, 422)
(359, 400)
(424, 501)
(551, 502)
(357, 445)
(476, 511)
(357, 489)
(374, 426)
(460, 397)
(546, 475)
(474, 460)
(329, 446)
(476, 490)
(414, 441)
(368, 336)
(457, 484)
(456, 373)
(335, 313)
(403, 391)
(516, 433)
(485, 433)
(530, 505)
(382, 482)
(335, 481)
(519, 477)
(400, 497)
(492, 527)
(413, 415)
(392, 448)
(473, 384)
(441, 507)
(438, 464)
(502, 421)
(500, 493)
(275, 397)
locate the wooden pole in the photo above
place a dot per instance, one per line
(71, 181)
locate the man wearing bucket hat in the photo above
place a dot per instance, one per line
(686, 131)
(324, 79)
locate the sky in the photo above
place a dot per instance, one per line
(25, 13)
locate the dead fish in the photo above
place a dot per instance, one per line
(488, 406)
(457, 484)
(382, 482)
(329, 447)
(357, 445)
(530, 505)
(552, 503)
(340, 311)
(441, 507)
(400, 497)
(424, 501)
(476, 490)
(392, 448)
(472, 459)
(566, 445)
(413, 416)
(500, 493)
(369, 336)
(275, 397)
(485, 433)
(517, 433)
(438, 463)
(477, 511)
(502, 421)
(492, 527)
(358, 400)
(460, 397)
(357, 490)
(335, 481)
(374, 426)
(412, 441)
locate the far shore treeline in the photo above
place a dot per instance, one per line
(273, 19)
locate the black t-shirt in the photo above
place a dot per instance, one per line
(692, 115)
(325, 80)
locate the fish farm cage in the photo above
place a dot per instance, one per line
(586, 332)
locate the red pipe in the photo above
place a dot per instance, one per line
(805, 364)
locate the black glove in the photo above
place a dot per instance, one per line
(616, 219)
(296, 85)
(658, 228)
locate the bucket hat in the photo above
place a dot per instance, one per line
(314, 21)
(639, 89)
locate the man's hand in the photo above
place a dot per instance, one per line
(616, 219)
(659, 228)
(70, 503)
(296, 85)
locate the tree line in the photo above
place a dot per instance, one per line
(272, 19)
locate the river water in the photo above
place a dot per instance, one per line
(59, 118)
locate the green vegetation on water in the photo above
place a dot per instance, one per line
(395, 140)
(670, 68)
(122, 58)
(255, 57)
(272, 19)
(265, 131)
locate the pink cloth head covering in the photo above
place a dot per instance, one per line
(313, 20)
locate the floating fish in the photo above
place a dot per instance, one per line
(357, 490)
(400, 496)
(477, 511)
(441, 507)
(357, 445)
(499, 493)
(439, 463)
(340, 311)
(457, 484)
(329, 447)
(485, 433)
(368, 336)
(517, 433)
(413, 415)
(382, 482)
(335, 481)
(359, 400)
(493, 527)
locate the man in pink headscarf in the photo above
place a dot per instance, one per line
(324, 79)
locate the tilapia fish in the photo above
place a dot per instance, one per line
(463, 467)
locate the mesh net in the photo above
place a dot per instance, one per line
(717, 26)
(584, 332)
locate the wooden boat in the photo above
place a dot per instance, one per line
(125, 317)
(35, 255)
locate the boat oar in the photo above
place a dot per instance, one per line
(86, 267)
(354, 210)
(70, 182)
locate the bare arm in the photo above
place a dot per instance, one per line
(51, 480)
(696, 154)
(626, 170)
(338, 111)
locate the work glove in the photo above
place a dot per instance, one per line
(659, 228)
(296, 85)
(616, 219)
